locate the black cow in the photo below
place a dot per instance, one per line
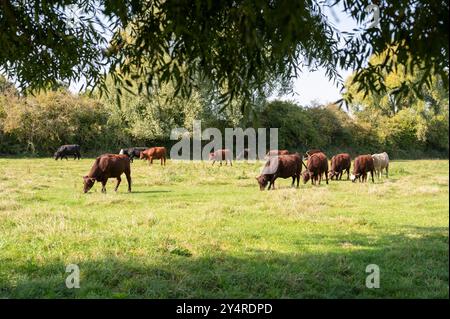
(132, 152)
(64, 150)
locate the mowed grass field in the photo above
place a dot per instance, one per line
(189, 230)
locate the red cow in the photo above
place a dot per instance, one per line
(283, 166)
(339, 164)
(108, 166)
(317, 165)
(154, 153)
(362, 165)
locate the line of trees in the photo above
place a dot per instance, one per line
(38, 124)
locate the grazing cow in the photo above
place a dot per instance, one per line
(221, 155)
(283, 166)
(339, 164)
(64, 150)
(362, 165)
(132, 152)
(276, 153)
(317, 165)
(108, 166)
(380, 162)
(154, 153)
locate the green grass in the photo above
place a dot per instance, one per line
(191, 230)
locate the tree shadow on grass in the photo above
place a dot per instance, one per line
(410, 267)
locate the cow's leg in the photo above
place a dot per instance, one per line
(298, 180)
(104, 185)
(164, 161)
(66, 157)
(320, 178)
(293, 181)
(213, 163)
(387, 171)
(128, 176)
(231, 163)
(348, 173)
(272, 182)
(371, 174)
(326, 176)
(118, 183)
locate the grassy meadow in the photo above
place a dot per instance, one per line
(189, 230)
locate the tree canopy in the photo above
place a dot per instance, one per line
(237, 45)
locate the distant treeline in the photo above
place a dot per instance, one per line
(37, 125)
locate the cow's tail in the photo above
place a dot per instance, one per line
(303, 164)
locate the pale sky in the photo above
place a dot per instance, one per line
(315, 86)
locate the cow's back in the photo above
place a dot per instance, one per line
(340, 162)
(156, 152)
(363, 164)
(222, 154)
(317, 162)
(283, 165)
(110, 165)
(380, 161)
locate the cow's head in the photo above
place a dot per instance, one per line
(88, 182)
(56, 155)
(263, 180)
(211, 156)
(306, 176)
(353, 177)
(141, 155)
(331, 174)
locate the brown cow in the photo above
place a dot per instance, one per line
(108, 166)
(317, 165)
(154, 153)
(339, 164)
(362, 165)
(221, 155)
(283, 166)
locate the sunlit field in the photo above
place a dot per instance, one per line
(190, 230)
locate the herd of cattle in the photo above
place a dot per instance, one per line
(279, 164)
